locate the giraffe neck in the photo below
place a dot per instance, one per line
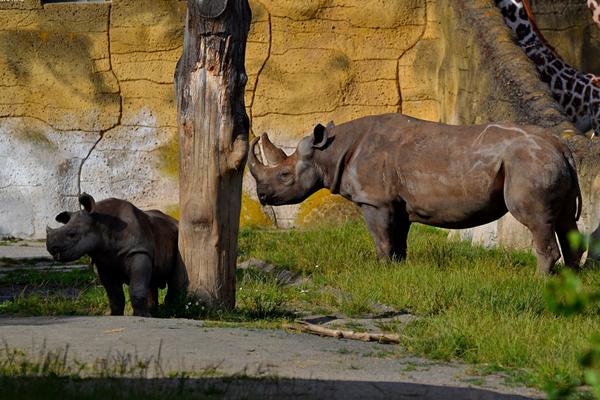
(594, 6)
(519, 18)
(576, 92)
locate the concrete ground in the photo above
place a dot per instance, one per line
(296, 365)
(25, 249)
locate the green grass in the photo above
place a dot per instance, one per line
(74, 278)
(90, 301)
(480, 306)
(261, 301)
(474, 304)
(56, 375)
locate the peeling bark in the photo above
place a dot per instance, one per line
(213, 134)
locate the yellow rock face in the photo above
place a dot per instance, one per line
(88, 88)
(251, 215)
(325, 208)
(313, 61)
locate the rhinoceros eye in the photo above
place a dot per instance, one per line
(286, 176)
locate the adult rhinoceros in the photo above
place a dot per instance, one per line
(401, 170)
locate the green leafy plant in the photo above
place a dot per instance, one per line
(566, 296)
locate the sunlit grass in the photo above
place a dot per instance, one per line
(483, 306)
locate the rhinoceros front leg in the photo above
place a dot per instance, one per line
(388, 230)
(116, 298)
(114, 292)
(140, 273)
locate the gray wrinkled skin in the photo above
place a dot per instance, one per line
(401, 170)
(127, 245)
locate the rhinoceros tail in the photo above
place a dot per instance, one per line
(573, 171)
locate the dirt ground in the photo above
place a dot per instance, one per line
(304, 365)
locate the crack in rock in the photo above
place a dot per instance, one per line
(120, 115)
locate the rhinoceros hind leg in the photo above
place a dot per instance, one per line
(152, 299)
(537, 208)
(546, 248)
(388, 231)
(544, 241)
(399, 239)
(177, 283)
(565, 224)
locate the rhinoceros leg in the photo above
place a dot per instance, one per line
(152, 299)
(116, 298)
(546, 248)
(178, 282)
(565, 224)
(140, 270)
(388, 230)
(114, 292)
(529, 209)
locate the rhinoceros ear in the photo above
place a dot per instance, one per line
(87, 202)
(320, 137)
(64, 217)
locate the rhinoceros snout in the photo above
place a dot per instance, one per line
(262, 197)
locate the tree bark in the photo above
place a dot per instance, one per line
(213, 141)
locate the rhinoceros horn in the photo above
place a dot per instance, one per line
(257, 169)
(273, 154)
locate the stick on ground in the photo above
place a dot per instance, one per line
(306, 327)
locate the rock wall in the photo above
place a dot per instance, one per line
(87, 100)
(86, 104)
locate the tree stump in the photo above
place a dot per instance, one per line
(213, 141)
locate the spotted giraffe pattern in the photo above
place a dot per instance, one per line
(594, 6)
(577, 93)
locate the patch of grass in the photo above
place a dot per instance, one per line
(343, 350)
(56, 375)
(13, 262)
(91, 301)
(354, 326)
(476, 305)
(261, 302)
(74, 278)
(8, 240)
(475, 381)
(410, 367)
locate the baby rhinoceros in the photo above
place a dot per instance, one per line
(127, 245)
(401, 170)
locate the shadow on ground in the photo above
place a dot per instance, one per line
(232, 388)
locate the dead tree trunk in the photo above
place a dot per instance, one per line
(213, 142)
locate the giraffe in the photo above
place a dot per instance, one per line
(577, 93)
(594, 6)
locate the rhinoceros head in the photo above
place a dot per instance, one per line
(79, 235)
(287, 179)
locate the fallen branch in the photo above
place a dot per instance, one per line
(306, 327)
